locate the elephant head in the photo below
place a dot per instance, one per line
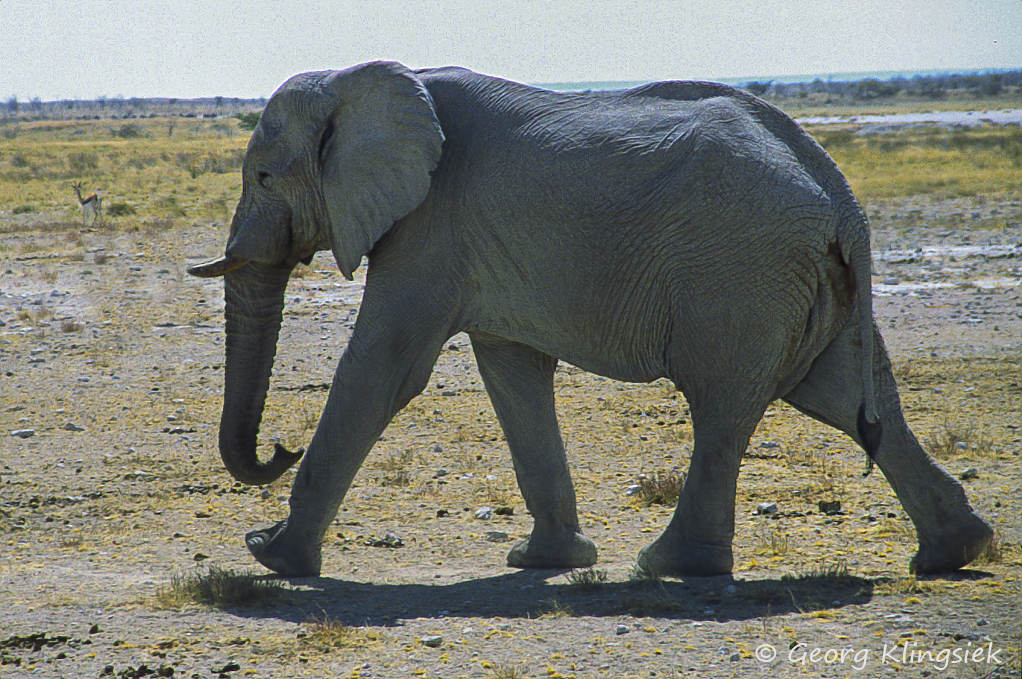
(336, 158)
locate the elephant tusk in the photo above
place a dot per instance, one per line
(217, 267)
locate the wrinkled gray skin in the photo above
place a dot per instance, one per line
(679, 230)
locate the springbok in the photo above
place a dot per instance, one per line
(90, 204)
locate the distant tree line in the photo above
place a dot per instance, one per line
(922, 86)
(121, 108)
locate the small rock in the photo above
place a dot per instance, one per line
(94, 629)
(891, 281)
(484, 513)
(23, 433)
(970, 473)
(830, 507)
(633, 490)
(621, 629)
(497, 536)
(766, 508)
(504, 511)
(433, 641)
(441, 513)
(982, 622)
(441, 472)
(389, 540)
(70, 426)
(770, 444)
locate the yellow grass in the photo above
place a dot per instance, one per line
(155, 173)
(927, 160)
(163, 170)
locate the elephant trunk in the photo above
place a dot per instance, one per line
(254, 295)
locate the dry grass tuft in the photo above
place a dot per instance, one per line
(660, 488)
(777, 543)
(835, 571)
(587, 578)
(643, 574)
(221, 588)
(326, 634)
(952, 440)
(903, 585)
(557, 609)
(508, 672)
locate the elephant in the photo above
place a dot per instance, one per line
(679, 230)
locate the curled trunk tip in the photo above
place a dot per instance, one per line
(255, 473)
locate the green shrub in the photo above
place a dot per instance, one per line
(120, 210)
(248, 120)
(127, 131)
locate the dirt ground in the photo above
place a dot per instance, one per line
(111, 364)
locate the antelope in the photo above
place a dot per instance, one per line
(90, 204)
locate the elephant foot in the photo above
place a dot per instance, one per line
(673, 556)
(953, 547)
(572, 551)
(279, 551)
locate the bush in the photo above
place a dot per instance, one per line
(127, 131)
(248, 120)
(120, 210)
(79, 163)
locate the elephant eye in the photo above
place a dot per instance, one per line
(266, 180)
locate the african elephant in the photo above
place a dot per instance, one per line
(685, 230)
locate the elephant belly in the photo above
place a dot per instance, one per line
(628, 346)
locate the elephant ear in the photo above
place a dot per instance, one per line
(380, 142)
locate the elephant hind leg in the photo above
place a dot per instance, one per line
(950, 533)
(698, 540)
(519, 380)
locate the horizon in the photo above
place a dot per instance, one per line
(161, 49)
(790, 79)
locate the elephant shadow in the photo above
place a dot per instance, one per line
(548, 592)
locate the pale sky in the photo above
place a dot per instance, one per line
(68, 49)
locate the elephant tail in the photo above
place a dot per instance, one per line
(861, 260)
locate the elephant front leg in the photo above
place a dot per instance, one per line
(519, 380)
(364, 397)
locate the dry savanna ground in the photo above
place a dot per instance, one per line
(121, 534)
